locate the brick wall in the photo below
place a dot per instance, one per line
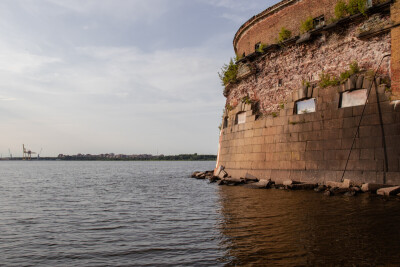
(331, 53)
(395, 34)
(266, 27)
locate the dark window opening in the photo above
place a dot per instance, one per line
(280, 83)
(319, 22)
(225, 122)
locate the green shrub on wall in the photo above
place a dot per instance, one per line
(325, 80)
(340, 9)
(357, 6)
(353, 69)
(307, 25)
(228, 73)
(261, 48)
(284, 34)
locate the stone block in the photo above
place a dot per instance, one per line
(222, 174)
(309, 92)
(315, 92)
(389, 191)
(367, 82)
(370, 187)
(295, 96)
(351, 83)
(345, 184)
(287, 182)
(360, 81)
(302, 93)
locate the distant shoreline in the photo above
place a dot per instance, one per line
(182, 157)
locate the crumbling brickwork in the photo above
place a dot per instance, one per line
(331, 53)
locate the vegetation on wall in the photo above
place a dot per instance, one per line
(353, 69)
(307, 25)
(284, 34)
(261, 47)
(327, 80)
(246, 100)
(353, 7)
(229, 107)
(357, 6)
(228, 73)
(340, 9)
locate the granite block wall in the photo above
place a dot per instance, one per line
(315, 146)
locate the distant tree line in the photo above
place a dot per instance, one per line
(144, 157)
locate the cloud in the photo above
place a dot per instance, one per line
(145, 11)
(69, 90)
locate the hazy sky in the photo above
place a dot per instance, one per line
(121, 76)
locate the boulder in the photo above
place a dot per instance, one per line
(327, 193)
(261, 184)
(250, 180)
(355, 189)
(339, 191)
(389, 191)
(222, 174)
(345, 184)
(369, 187)
(290, 182)
(194, 175)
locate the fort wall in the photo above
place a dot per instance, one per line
(263, 133)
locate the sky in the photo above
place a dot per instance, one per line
(115, 76)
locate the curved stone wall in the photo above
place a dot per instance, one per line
(264, 136)
(265, 26)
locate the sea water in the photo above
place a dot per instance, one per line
(58, 213)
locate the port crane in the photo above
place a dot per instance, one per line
(26, 153)
(9, 152)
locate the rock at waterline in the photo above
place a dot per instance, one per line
(389, 191)
(369, 187)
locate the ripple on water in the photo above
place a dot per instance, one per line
(151, 214)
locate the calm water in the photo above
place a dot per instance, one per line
(150, 213)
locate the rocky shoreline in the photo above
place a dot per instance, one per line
(329, 188)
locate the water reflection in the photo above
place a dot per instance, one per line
(275, 227)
